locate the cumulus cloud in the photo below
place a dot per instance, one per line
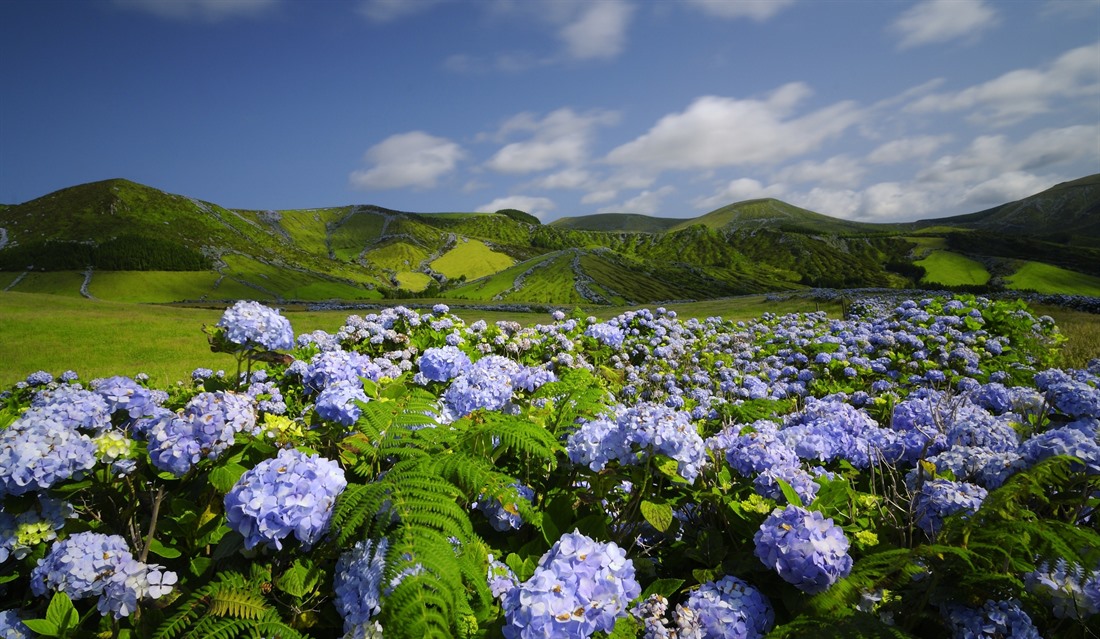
(935, 21)
(209, 10)
(905, 149)
(759, 10)
(740, 190)
(1006, 187)
(990, 155)
(717, 132)
(599, 31)
(1022, 93)
(645, 203)
(540, 207)
(561, 138)
(413, 159)
(840, 170)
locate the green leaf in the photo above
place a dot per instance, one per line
(160, 550)
(789, 493)
(61, 612)
(670, 468)
(659, 515)
(42, 627)
(223, 478)
(296, 581)
(199, 565)
(664, 587)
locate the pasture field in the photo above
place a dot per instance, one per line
(412, 280)
(472, 259)
(52, 283)
(154, 286)
(97, 338)
(952, 269)
(1044, 278)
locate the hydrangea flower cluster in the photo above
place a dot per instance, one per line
(443, 364)
(91, 564)
(205, 428)
(993, 620)
(75, 407)
(293, 493)
(940, 498)
(606, 333)
(329, 367)
(580, 586)
(730, 608)
(504, 517)
(806, 549)
(337, 403)
(12, 626)
(19, 535)
(37, 452)
(653, 428)
(125, 395)
(357, 581)
(253, 326)
(1065, 585)
(488, 384)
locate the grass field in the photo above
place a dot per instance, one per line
(153, 286)
(98, 339)
(472, 259)
(952, 269)
(1044, 278)
(52, 282)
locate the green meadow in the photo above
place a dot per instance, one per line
(1044, 278)
(472, 259)
(952, 269)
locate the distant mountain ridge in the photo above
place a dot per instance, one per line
(112, 228)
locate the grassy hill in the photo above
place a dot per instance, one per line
(118, 240)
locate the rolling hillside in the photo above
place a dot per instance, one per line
(116, 239)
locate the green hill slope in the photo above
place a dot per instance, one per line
(116, 239)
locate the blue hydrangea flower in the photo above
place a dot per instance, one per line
(91, 564)
(501, 578)
(487, 384)
(37, 452)
(39, 378)
(806, 549)
(443, 364)
(940, 498)
(206, 427)
(580, 586)
(994, 620)
(75, 407)
(19, 535)
(329, 367)
(253, 326)
(606, 333)
(293, 493)
(12, 626)
(1064, 585)
(638, 432)
(503, 518)
(1063, 441)
(337, 403)
(126, 395)
(357, 581)
(731, 609)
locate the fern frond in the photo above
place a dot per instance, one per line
(240, 605)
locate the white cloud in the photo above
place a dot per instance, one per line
(842, 203)
(389, 10)
(1022, 93)
(759, 10)
(740, 190)
(571, 178)
(991, 155)
(935, 21)
(561, 138)
(413, 159)
(1006, 187)
(904, 149)
(540, 207)
(209, 10)
(840, 170)
(645, 203)
(715, 132)
(599, 31)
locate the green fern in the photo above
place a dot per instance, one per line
(232, 606)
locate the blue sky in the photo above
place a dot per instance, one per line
(869, 110)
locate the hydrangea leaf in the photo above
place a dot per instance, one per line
(659, 515)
